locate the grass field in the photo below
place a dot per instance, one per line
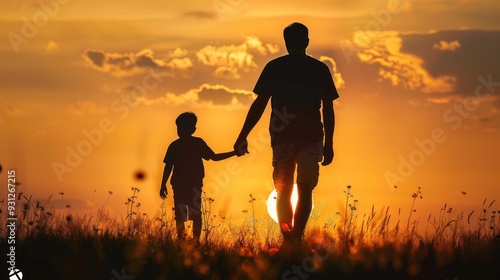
(52, 244)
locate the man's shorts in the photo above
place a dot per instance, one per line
(304, 156)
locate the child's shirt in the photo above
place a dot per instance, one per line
(186, 155)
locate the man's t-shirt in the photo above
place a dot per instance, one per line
(297, 84)
(186, 155)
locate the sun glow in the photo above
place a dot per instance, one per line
(271, 203)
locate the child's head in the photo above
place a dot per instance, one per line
(186, 124)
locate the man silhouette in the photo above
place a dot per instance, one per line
(297, 85)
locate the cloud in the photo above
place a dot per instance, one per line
(230, 60)
(337, 77)
(178, 52)
(384, 49)
(85, 107)
(447, 46)
(13, 111)
(129, 64)
(10, 109)
(51, 46)
(441, 100)
(474, 65)
(253, 43)
(477, 56)
(206, 95)
(200, 14)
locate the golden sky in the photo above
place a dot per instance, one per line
(90, 91)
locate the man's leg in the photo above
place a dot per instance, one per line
(285, 212)
(284, 168)
(308, 157)
(302, 211)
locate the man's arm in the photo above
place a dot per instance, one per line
(254, 113)
(166, 174)
(329, 126)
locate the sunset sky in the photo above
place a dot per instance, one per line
(90, 91)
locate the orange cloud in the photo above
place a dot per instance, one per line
(178, 52)
(14, 111)
(401, 69)
(10, 109)
(230, 60)
(337, 77)
(200, 14)
(129, 64)
(206, 95)
(447, 46)
(85, 107)
(51, 46)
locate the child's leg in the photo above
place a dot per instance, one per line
(180, 202)
(196, 213)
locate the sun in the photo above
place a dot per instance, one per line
(271, 202)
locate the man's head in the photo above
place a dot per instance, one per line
(186, 124)
(296, 37)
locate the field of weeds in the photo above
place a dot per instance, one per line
(54, 245)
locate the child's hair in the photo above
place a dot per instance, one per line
(186, 119)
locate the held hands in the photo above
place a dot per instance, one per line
(328, 155)
(163, 192)
(241, 147)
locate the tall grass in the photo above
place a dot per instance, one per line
(350, 245)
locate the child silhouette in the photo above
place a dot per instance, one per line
(184, 156)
